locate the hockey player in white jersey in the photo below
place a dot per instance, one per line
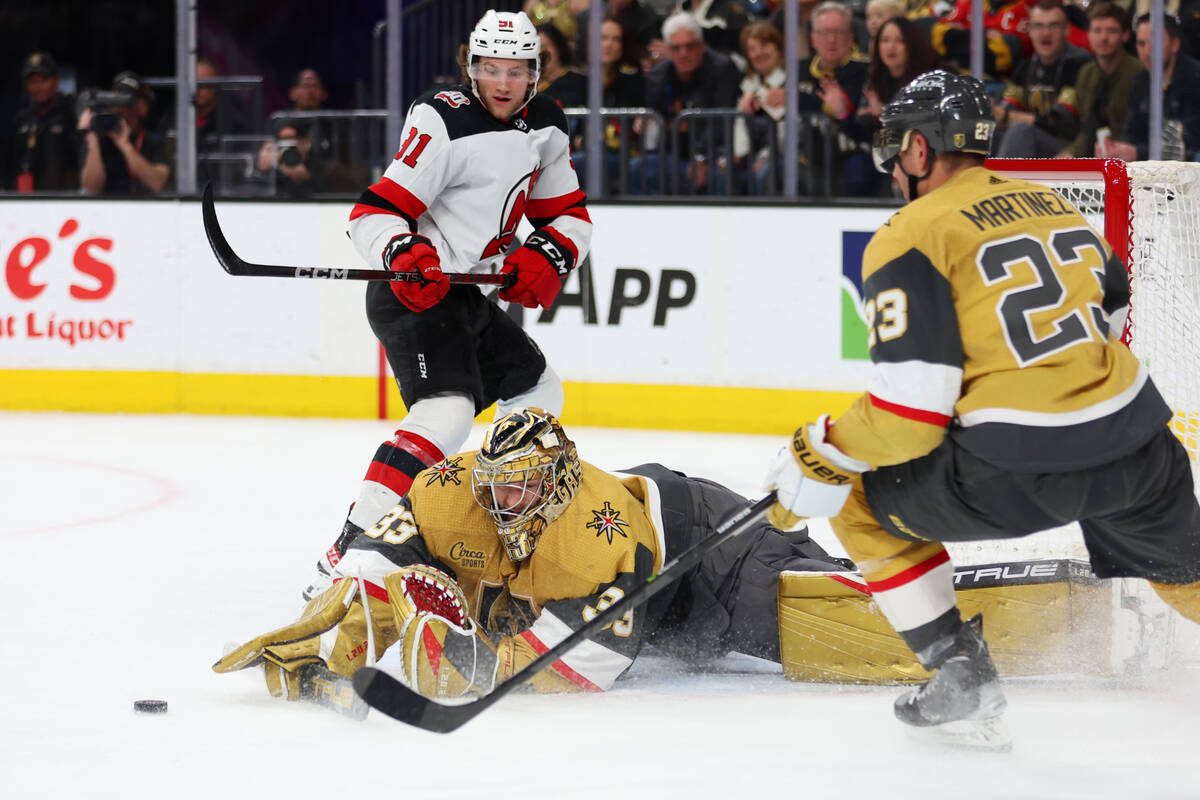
(472, 161)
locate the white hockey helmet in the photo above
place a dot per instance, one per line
(505, 34)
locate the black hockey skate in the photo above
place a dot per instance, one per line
(962, 703)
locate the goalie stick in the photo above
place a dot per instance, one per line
(232, 263)
(392, 697)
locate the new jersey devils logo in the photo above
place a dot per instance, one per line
(510, 215)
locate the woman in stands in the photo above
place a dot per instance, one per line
(764, 102)
(901, 52)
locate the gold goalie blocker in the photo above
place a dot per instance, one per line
(1040, 617)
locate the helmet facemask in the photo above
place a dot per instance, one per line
(505, 35)
(525, 475)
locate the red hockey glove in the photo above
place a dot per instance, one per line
(411, 252)
(540, 266)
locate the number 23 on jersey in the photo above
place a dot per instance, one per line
(1035, 309)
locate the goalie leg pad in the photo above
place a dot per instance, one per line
(831, 630)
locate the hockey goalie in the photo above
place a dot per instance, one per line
(496, 555)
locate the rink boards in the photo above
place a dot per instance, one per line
(701, 317)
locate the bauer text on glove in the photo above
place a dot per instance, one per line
(810, 476)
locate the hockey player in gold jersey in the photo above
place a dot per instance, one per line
(1001, 402)
(496, 555)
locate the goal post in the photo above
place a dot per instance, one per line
(1149, 211)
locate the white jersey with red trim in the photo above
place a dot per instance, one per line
(464, 179)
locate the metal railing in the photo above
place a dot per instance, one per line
(248, 86)
(725, 176)
(355, 138)
(708, 134)
(623, 122)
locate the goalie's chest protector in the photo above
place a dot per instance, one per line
(472, 177)
(593, 542)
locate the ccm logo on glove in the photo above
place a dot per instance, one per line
(539, 266)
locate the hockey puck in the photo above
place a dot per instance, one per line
(150, 706)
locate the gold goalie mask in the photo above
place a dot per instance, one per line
(527, 472)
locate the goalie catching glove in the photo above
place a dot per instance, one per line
(414, 253)
(443, 651)
(810, 476)
(540, 265)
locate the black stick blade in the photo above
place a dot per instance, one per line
(389, 696)
(228, 259)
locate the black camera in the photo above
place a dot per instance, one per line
(105, 116)
(289, 156)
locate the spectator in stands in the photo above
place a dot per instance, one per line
(902, 52)
(559, 13)
(216, 114)
(1006, 40)
(877, 13)
(832, 82)
(1102, 88)
(693, 76)
(623, 86)
(721, 20)
(307, 93)
(298, 168)
(637, 19)
(805, 10)
(1039, 114)
(557, 78)
(1180, 102)
(42, 152)
(123, 157)
(764, 100)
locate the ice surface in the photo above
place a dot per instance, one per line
(138, 546)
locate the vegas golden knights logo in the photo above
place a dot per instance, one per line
(510, 215)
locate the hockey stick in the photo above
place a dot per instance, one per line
(383, 692)
(234, 265)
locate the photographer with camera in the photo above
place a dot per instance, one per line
(299, 169)
(41, 152)
(120, 155)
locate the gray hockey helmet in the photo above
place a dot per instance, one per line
(953, 112)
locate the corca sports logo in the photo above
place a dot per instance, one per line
(468, 557)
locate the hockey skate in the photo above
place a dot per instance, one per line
(961, 704)
(330, 559)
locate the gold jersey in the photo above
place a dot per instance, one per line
(994, 313)
(609, 540)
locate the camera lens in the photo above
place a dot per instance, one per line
(290, 157)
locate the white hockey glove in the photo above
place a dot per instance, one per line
(810, 476)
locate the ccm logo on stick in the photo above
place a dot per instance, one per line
(321, 272)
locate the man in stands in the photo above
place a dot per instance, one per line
(43, 150)
(1102, 88)
(1038, 114)
(1180, 102)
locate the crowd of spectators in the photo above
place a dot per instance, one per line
(698, 89)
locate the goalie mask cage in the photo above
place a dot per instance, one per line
(1149, 212)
